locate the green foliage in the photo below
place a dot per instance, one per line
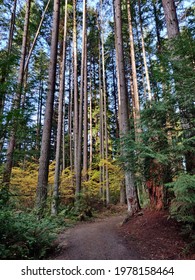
(79, 211)
(23, 236)
(4, 196)
(183, 205)
(82, 207)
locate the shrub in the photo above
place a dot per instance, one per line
(23, 236)
(183, 205)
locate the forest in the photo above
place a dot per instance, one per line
(97, 108)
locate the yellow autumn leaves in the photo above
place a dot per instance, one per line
(24, 182)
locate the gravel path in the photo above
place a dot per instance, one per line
(99, 240)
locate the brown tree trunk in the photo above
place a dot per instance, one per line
(101, 112)
(80, 134)
(76, 111)
(155, 184)
(135, 96)
(70, 108)
(122, 193)
(115, 97)
(132, 199)
(12, 27)
(171, 18)
(157, 22)
(144, 55)
(90, 121)
(41, 194)
(54, 206)
(39, 117)
(104, 103)
(85, 117)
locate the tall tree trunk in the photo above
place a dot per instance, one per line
(122, 193)
(63, 138)
(139, 46)
(16, 101)
(105, 130)
(76, 111)
(39, 117)
(85, 133)
(90, 120)
(132, 200)
(101, 111)
(12, 27)
(70, 108)
(157, 23)
(41, 194)
(144, 54)
(54, 206)
(115, 96)
(122, 187)
(80, 134)
(25, 78)
(135, 96)
(171, 18)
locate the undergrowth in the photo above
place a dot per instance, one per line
(23, 236)
(182, 206)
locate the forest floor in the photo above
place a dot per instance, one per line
(149, 235)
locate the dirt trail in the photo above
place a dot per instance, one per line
(99, 240)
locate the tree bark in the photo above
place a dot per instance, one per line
(12, 26)
(115, 96)
(101, 112)
(132, 200)
(171, 18)
(41, 193)
(157, 22)
(54, 206)
(39, 116)
(135, 92)
(85, 132)
(104, 103)
(90, 120)
(80, 134)
(76, 112)
(70, 112)
(144, 55)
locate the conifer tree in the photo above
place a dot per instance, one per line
(132, 200)
(60, 119)
(17, 101)
(41, 193)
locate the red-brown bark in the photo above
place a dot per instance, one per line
(155, 185)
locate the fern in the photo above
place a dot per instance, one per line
(183, 205)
